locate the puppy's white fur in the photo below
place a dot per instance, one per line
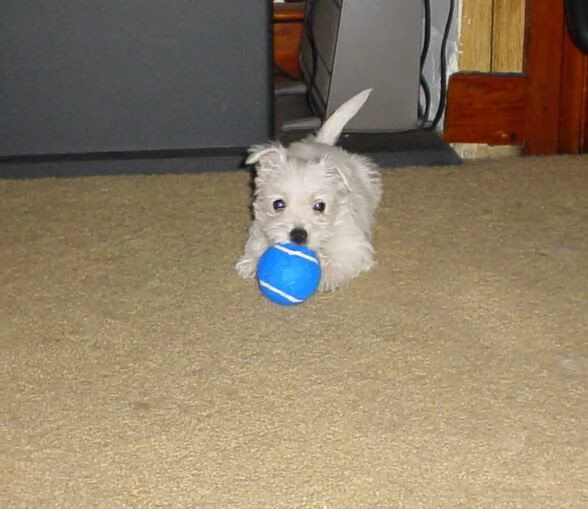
(292, 185)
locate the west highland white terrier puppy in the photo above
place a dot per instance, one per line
(318, 195)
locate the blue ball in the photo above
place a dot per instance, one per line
(288, 274)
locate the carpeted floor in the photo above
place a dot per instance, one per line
(138, 371)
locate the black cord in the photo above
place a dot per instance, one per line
(443, 66)
(424, 114)
(309, 32)
(427, 30)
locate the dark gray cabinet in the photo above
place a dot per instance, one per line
(80, 77)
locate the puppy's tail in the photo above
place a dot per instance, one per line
(333, 127)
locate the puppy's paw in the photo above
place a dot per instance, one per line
(335, 276)
(331, 279)
(245, 267)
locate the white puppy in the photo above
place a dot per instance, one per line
(315, 194)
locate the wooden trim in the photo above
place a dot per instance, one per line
(287, 37)
(288, 20)
(486, 108)
(584, 147)
(545, 24)
(545, 108)
(288, 13)
(573, 117)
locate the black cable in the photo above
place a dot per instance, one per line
(443, 65)
(309, 32)
(427, 32)
(424, 114)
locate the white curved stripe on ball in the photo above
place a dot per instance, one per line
(286, 296)
(292, 252)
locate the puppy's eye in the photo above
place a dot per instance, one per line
(279, 205)
(319, 206)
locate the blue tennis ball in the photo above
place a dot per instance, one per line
(288, 274)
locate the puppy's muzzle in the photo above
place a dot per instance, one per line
(299, 236)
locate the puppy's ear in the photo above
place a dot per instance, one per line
(336, 173)
(270, 155)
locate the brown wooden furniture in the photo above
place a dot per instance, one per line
(287, 32)
(544, 108)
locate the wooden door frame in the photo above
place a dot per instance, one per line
(544, 108)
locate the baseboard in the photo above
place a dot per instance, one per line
(488, 108)
(84, 165)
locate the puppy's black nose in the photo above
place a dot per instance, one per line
(299, 236)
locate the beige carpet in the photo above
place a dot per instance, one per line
(138, 371)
